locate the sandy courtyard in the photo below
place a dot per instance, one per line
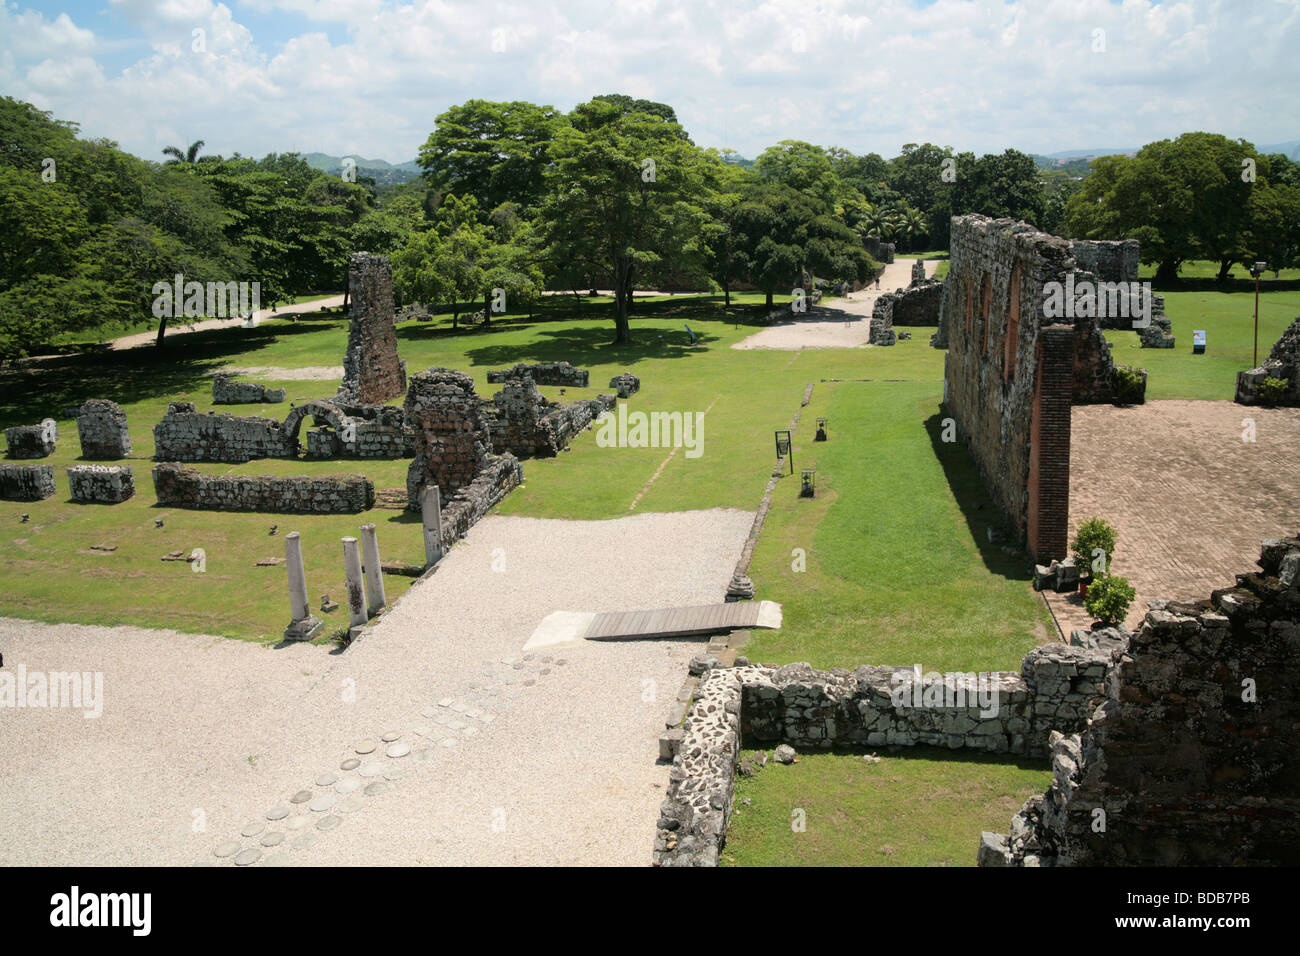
(468, 750)
(1190, 499)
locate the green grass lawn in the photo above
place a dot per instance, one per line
(916, 807)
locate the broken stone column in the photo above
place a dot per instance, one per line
(372, 373)
(101, 426)
(303, 625)
(431, 513)
(374, 573)
(452, 442)
(356, 591)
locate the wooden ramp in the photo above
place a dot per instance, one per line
(680, 621)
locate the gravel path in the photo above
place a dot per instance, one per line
(497, 757)
(843, 324)
(261, 315)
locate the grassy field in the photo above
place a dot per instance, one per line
(916, 807)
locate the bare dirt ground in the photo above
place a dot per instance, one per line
(493, 756)
(310, 373)
(844, 323)
(261, 315)
(1190, 499)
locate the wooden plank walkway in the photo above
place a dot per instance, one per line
(677, 621)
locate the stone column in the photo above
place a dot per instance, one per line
(431, 513)
(303, 626)
(356, 591)
(374, 573)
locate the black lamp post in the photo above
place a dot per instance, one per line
(807, 490)
(821, 429)
(784, 447)
(1257, 270)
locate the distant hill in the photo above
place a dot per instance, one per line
(381, 171)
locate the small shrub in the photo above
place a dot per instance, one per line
(1108, 598)
(1093, 534)
(1273, 390)
(1130, 386)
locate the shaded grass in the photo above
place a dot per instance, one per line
(917, 807)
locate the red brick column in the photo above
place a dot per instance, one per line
(1049, 450)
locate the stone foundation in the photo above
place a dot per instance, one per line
(101, 484)
(181, 487)
(625, 384)
(226, 391)
(101, 426)
(452, 442)
(1283, 362)
(26, 482)
(372, 373)
(185, 435)
(30, 441)
(545, 373)
(1190, 759)
(521, 421)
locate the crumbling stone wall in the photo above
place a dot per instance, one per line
(26, 482)
(918, 271)
(499, 476)
(181, 487)
(31, 441)
(101, 426)
(367, 431)
(185, 435)
(101, 484)
(1109, 260)
(1282, 362)
(878, 249)
(523, 422)
(625, 384)
(916, 305)
(1190, 759)
(544, 373)
(227, 391)
(452, 442)
(372, 373)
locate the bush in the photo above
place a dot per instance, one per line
(1093, 534)
(1130, 386)
(1108, 598)
(1273, 390)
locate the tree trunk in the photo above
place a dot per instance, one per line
(622, 303)
(162, 328)
(487, 310)
(726, 296)
(1224, 266)
(455, 315)
(769, 298)
(1167, 271)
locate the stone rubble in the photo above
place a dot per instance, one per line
(227, 391)
(544, 373)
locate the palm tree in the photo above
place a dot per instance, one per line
(190, 155)
(912, 224)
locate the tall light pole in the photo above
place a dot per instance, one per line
(1257, 270)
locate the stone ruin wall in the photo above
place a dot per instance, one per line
(752, 705)
(372, 372)
(881, 251)
(102, 429)
(470, 503)
(1283, 362)
(26, 482)
(227, 391)
(180, 487)
(101, 484)
(452, 442)
(916, 305)
(521, 421)
(186, 435)
(625, 384)
(30, 441)
(545, 373)
(1191, 758)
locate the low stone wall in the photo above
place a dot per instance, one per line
(916, 305)
(227, 391)
(181, 487)
(499, 476)
(185, 435)
(878, 249)
(1283, 363)
(26, 482)
(625, 384)
(101, 484)
(371, 431)
(522, 422)
(102, 429)
(999, 712)
(1190, 759)
(30, 441)
(544, 373)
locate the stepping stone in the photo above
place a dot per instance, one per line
(442, 718)
(274, 838)
(376, 788)
(473, 712)
(352, 763)
(529, 657)
(302, 796)
(518, 666)
(547, 659)
(513, 693)
(508, 661)
(329, 823)
(297, 823)
(392, 735)
(459, 707)
(544, 671)
(491, 691)
(349, 785)
(324, 802)
(225, 850)
(277, 813)
(371, 768)
(352, 804)
(366, 747)
(530, 682)
(395, 773)
(277, 859)
(424, 753)
(400, 749)
(253, 829)
(488, 717)
(248, 857)
(327, 779)
(470, 731)
(420, 730)
(457, 724)
(450, 741)
(445, 702)
(430, 712)
(306, 841)
(561, 662)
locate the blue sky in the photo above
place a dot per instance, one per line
(370, 76)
